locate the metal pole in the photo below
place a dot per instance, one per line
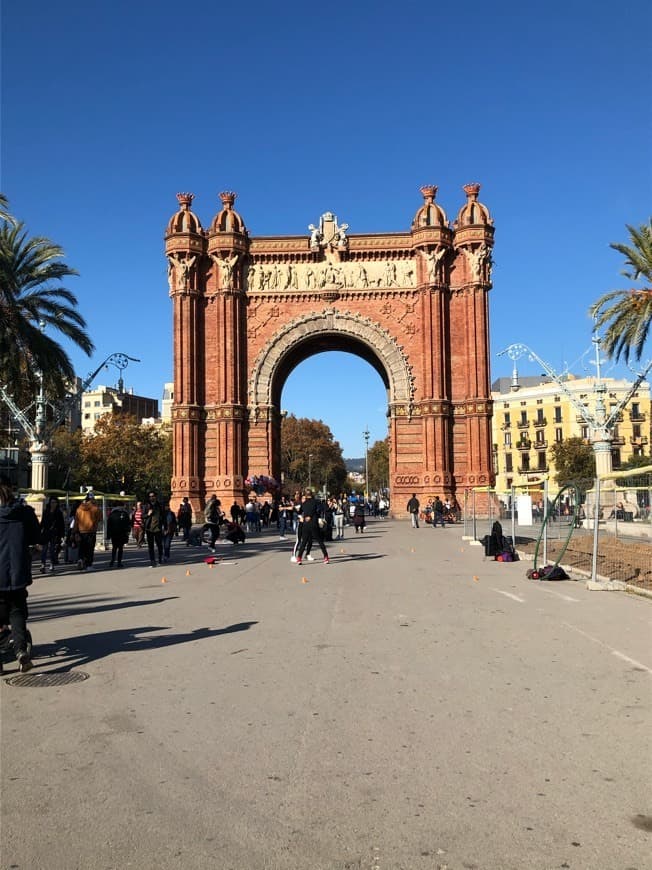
(545, 524)
(466, 507)
(596, 516)
(475, 536)
(514, 516)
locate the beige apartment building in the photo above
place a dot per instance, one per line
(107, 400)
(532, 413)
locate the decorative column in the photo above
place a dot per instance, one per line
(473, 241)
(185, 248)
(225, 340)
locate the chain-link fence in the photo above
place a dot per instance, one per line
(557, 526)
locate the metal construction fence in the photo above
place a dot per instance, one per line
(558, 525)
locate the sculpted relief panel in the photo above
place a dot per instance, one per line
(360, 274)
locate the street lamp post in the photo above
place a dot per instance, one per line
(365, 435)
(310, 471)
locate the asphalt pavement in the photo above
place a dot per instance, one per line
(410, 706)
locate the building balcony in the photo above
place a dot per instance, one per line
(581, 418)
(540, 445)
(523, 470)
(523, 424)
(618, 440)
(523, 445)
(638, 440)
(541, 422)
(505, 426)
(543, 469)
(637, 416)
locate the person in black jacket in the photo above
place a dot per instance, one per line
(19, 530)
(310, 514)
(52, 531)
(118, 529)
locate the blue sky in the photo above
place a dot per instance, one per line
(108, 110)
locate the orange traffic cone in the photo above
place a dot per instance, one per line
(187, 573)
(305, 580)
(475, 578)
(164, 579)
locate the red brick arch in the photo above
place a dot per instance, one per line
(248, 310)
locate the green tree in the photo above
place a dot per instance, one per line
(31, 300)
(65, 459)
(574, 461)
(121, 454)
(627, 314)
(378, 463)
(309, 452)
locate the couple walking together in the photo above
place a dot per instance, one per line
(311, 518)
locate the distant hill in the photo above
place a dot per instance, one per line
(355, 465)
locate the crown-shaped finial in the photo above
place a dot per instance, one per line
(185, 200)
(228, 197)
(472, 190)
(429, 192)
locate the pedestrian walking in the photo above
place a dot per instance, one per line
(437, 513)
(118, 527)
(19, 531)
(413, 509)
(87, 519)
(311, 522)
(138, 524)
(338, 518)
(153, 525)
(213, 517)
(169, 530)
(184, 520)
(52, 531)
(359, 520)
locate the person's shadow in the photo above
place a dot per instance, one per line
(73, 652)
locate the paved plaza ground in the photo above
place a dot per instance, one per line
(407, 707)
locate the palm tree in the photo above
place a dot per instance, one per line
(627, 314)
(31, 300)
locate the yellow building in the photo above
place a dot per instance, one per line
(532, 413)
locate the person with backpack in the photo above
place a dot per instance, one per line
(87, 519)
(413, 509)
(118, 527)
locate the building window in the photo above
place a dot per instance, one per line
(542, 460)
(559, 436)
(540, 417)
(540, 437)
(507, 420)
(539, 401)
(636, 430)
(87, 416)
(523, 416)
(557, 398)
(615, 458)
(87, 403)
(585, 432)
(96, 403)
(526, 462)
(524, 403)
(635, 410)
(557, 415)
(508, 439)
(508, 462)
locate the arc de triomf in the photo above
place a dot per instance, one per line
(249, 309)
